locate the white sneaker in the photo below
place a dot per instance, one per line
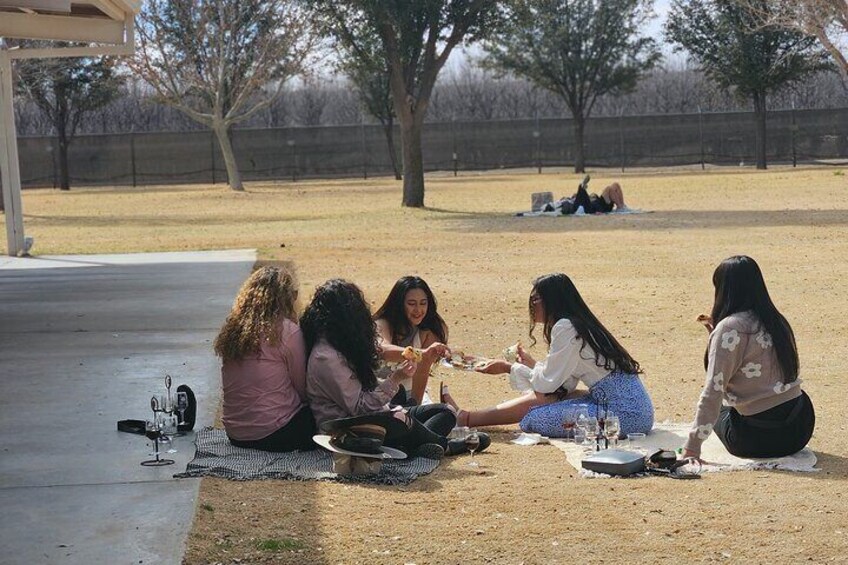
(580, 211)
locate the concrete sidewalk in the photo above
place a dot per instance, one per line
(80, 349)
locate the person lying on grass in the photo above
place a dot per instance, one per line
(581, 350)
(752, 364)
(611, 197)
(409, 318)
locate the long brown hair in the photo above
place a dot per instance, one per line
(562, 300)
(267, 296)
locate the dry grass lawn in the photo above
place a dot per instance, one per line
(646, 276)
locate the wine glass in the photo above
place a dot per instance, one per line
(569, 422)
(153, 432)
(182, 406)
(168, 426)
(611, 429)
(472, 442)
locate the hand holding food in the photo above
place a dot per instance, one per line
(525, 358)
(511, 352)
(412, 354)
(707, 322)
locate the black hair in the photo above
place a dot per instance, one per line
(339, 313)
(394, 312)
(561, 300)
(740, 287)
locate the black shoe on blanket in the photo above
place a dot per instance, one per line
(457, 446)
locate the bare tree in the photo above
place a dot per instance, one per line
(222, 62)
(826, 20)
(416, 40)
(66, 90)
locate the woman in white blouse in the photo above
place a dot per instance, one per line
(581, 350)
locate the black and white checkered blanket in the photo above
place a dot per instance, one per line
(217, 457)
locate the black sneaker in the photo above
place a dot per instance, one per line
(457, 446)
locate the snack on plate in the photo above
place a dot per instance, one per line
(511, 352)
(412, 354)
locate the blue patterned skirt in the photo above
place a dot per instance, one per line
(625, 395)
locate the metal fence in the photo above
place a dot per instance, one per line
(802, 136)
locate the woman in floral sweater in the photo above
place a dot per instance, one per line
(752, 365)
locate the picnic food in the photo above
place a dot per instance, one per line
(511, 352)
(412, 354)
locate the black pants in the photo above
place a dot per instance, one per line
(777, 432)
(431, 423)
(296, 434)
(581, 198)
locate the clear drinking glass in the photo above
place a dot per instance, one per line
(569, 423)
(637, 441)
(182, 406)
(472, 442)
(169, 430)
(611, 429)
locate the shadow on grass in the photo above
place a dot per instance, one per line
(833, 467)
(164, 220)
(486, 222)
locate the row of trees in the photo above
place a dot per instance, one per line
(227, 62)
(463, 93)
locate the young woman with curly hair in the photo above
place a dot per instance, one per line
(264, 366)
(409, 318)
(341, 340)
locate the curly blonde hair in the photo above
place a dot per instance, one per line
(268, 295)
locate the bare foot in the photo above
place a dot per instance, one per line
(445, 396)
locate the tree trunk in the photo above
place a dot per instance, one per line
(579, 149)
(222, 132)
(760, 118)
(64, 172)
(413, 164)
(389, 129)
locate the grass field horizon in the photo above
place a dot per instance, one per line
(646, 276)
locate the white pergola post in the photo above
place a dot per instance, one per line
(10, 172)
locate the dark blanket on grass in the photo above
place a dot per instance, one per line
(217, 457)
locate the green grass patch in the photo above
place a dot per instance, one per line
(285, 544)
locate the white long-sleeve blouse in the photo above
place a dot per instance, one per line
(570, 361)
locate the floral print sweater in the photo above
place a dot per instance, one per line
(743, 372)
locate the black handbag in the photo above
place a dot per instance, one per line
(615, 462)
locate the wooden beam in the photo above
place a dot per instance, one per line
(61, 28)
(47, 5)
(108, 8)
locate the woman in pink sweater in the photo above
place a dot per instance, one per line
(264, 366)
(752, 398)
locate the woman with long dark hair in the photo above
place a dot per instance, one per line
(752, 366)
(581, 349)
(409, 318)
(264, 366)
(341, 341)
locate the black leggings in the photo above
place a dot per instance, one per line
(431, 423)
(296, 434)
(777, 432)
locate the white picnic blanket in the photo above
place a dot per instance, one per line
(557, 213)
(671, 436)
